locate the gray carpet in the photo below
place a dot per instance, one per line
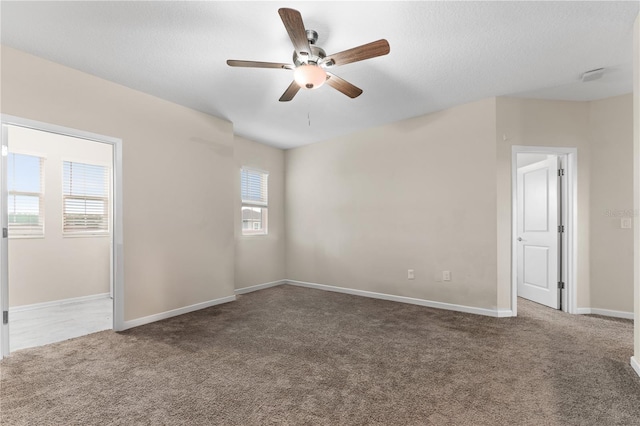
(290, 355)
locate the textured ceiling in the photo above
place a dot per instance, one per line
(442, 54)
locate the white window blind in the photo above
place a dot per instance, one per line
(254, 194)
(254, 187)
(25, 185)
(85, 189)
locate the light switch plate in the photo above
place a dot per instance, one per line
(625, 223)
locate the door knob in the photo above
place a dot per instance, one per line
(520, 239)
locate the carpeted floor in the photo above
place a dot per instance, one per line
(290, 355)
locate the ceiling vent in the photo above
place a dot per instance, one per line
(592, 75)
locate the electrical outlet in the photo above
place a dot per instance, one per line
(625, 223)
(410, 274)
(446, 275)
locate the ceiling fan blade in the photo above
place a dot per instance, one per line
(290, 92)
(256, 64)
(292, 21)
(360, 53)
(343, 86)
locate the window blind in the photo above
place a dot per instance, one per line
(254, 187)
(254, 196)
(25, 204)
(85, 198)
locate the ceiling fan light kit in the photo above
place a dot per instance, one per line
(310, 62)
(309, 76)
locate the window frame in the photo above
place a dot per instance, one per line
(262, 205)
(12, 232)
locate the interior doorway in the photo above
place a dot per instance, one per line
(61, 251)
(543, 218)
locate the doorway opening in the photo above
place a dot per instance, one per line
(544, 217)
(61, 252)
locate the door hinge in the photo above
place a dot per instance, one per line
(560, 285)
(5, 317)
(5, 232)
(560, 229)
(560, 172)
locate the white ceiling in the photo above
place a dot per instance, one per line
(442, 54)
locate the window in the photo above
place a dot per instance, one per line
(26, 195)
(85, 191)
(253, 185)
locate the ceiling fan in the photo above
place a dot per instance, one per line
(311, 63)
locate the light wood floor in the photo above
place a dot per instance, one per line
(42, 326)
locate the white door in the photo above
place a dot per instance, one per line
(537, 236)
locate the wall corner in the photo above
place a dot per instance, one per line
(503, 211)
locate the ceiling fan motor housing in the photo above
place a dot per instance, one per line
(316, 56)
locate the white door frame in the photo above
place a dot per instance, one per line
(117, 255)
(570, 219)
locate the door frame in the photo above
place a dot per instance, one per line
(117, 245)
(569, 203)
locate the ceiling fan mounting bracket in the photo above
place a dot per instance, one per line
(312, 36)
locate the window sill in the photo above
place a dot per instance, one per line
(26, 237)
(86, 235)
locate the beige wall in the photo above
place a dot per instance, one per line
(417, 194)
(54, 267)
(178, 176)
(260, 258)
(611, 133)
(542, 123)
(364, 208)
(601, 131)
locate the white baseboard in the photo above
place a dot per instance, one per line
(257, 287)
(605, 312)
(611, 313)
(403, 299)
(175, 312)
(23, 308)
(636, 365)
